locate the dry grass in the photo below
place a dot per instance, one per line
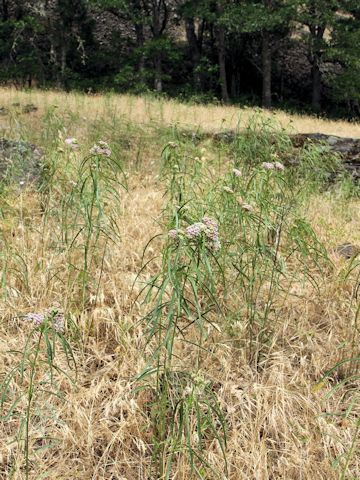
(144, 110)
(278, 428)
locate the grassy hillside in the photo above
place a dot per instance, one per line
(145, 110)
(193, 316)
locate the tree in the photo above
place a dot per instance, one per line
(20, 56)
(193, 13)
(344, 50)
(150, 19)
(63, 21)
(268, 20)
(230, 48)
(319, 16)
(220, 38)
(158, 13)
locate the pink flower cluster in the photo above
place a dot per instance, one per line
(208, 226)
(273, 166)
(38, 318)
(173, 234)
(279, 166)
(72, 143)
(102, 148)
(194, 230)
(212, 233)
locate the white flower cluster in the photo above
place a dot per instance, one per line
(273, 166)
(38, 318)
(173, 234)
(72, 143)
(102, 148)
(194, 230)
(208, 226)
(212, 233)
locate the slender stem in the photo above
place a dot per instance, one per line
(351, 451)
(28, 408)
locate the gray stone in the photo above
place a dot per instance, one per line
(332, 140)
(20, 162)
(347, 148)
(30, 107)
(347, 250)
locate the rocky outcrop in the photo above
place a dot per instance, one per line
(20, 162)
(347, 148)
(28, 108)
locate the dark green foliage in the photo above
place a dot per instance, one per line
(274, 52)
(345, 51)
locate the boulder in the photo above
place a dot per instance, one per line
(20, 162)
(347, 251)
(30, 107)
(347, 148)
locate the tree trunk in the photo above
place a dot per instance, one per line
(235, 84)
(220, 34)
(316, 84)
(157, 31)
(315, 56)
(266, 70)
(140, 40)
(194, 50)
(139, 32)
(5, 11)
(158, 72)
(62, 64)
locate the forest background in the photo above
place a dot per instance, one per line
(298, 55)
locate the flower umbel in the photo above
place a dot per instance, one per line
(194, 230)
(72, 143)
(279, 166)
(245, 206)
(268, 165)
(207, 227)
(273, 166)
(173, 234)
(57, 317)
(212, 233)
(102, 148)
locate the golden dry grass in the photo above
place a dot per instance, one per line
(144, 110)
(278, 428)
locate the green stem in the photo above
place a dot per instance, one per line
(28, 408)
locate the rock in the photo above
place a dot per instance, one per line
(347, 148)
(332, 140)
(3, 111)
(194, 136)
(226, 136)
(20, 162)
(30, 107)
(347, 250)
